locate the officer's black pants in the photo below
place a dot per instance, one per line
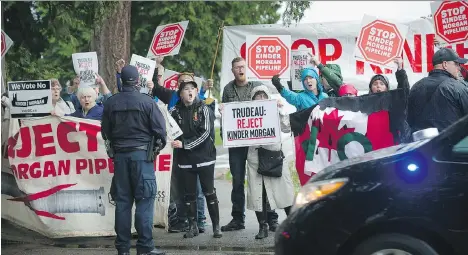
(134, 180)
(206, 176)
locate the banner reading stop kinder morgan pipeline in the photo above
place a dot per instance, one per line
(334, 42)
(251, 123)
(60, 179)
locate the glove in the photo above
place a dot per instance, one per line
(277, 83)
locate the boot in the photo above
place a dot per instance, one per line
(263, 226)
(213, 210)
(191, 215)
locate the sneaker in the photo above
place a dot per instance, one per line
(233, 225)
(181, 226)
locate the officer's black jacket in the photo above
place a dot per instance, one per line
(131, 119)
(438, 100)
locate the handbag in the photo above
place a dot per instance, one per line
(270, 163)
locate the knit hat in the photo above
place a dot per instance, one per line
(381, 78)
(347, 89)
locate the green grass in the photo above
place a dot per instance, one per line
(218, 141)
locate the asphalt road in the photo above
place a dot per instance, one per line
(236, 242)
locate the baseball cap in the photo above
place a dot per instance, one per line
(129, 75)
(447, 54)
(183, 84)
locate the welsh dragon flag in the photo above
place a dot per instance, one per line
(346, 127)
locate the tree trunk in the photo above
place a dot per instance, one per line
(112, 42)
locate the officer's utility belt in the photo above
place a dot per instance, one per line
(129, 149)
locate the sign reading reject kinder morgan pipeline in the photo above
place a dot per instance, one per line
(30, 98)
(251, 123)
(60, 179)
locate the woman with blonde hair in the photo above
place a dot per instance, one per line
(59, 105)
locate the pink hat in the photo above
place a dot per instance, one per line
(347, 89)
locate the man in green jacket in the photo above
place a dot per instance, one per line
(330, 75)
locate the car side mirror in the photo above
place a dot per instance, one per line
(424, 134)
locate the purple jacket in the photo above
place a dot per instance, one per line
(94, 113)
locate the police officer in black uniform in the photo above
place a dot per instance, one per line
(132, 122)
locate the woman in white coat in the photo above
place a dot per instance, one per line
(263, 191)
(59, 106)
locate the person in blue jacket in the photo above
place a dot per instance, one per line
(312, 94)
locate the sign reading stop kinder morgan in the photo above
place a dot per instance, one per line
(380, 41)
(268, 56)
(251, 123)
(451, 20)
(170, 80)
(167, 39)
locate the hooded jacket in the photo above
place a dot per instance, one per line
(284, 117)
(197, 124)
(331, 73)
(305, 99)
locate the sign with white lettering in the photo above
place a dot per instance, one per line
(251, 123)
(30, 98)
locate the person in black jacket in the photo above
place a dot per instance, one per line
(129, 122)
(196, 154)
(440, 99)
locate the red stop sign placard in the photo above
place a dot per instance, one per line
(3, 46)
(380, 42)
(451, 21)
(268, 56)
(171, 82)
(167, 40)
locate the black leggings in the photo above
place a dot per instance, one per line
(206, 175)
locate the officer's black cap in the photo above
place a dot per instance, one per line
(183, 84)
(447, 54)
(129, 75)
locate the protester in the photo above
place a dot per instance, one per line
(347, 90)
(196, 154)
(263, 192)
(134, 177)
(330, 75)
(439, 100)
(88, 109)
(240, 90)
(312, 94)
(60, 106)
(100, 99)
(180, 223)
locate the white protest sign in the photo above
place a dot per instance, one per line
(251, 123)
(267, 56)
(170, 80)
(30, 98)
(145, 68)
(300, 60)
(86, 66)
(6, 43)
(380, 41)
(450, 21)
(167, 39)
(173, 131)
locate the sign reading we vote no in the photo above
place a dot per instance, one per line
(251, 123)
(30, 98)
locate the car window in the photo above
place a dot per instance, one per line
(461, 148)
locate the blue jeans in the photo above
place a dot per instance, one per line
(134, 181)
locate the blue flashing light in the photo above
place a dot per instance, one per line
(412, 167)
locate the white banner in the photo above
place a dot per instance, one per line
(251, 123)
(30, 98)
(86, 66)
(60, 179)
(334, 42)
(6, 43)
(300, 60)
(379, 41)
(167, 39)
(145, 68)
